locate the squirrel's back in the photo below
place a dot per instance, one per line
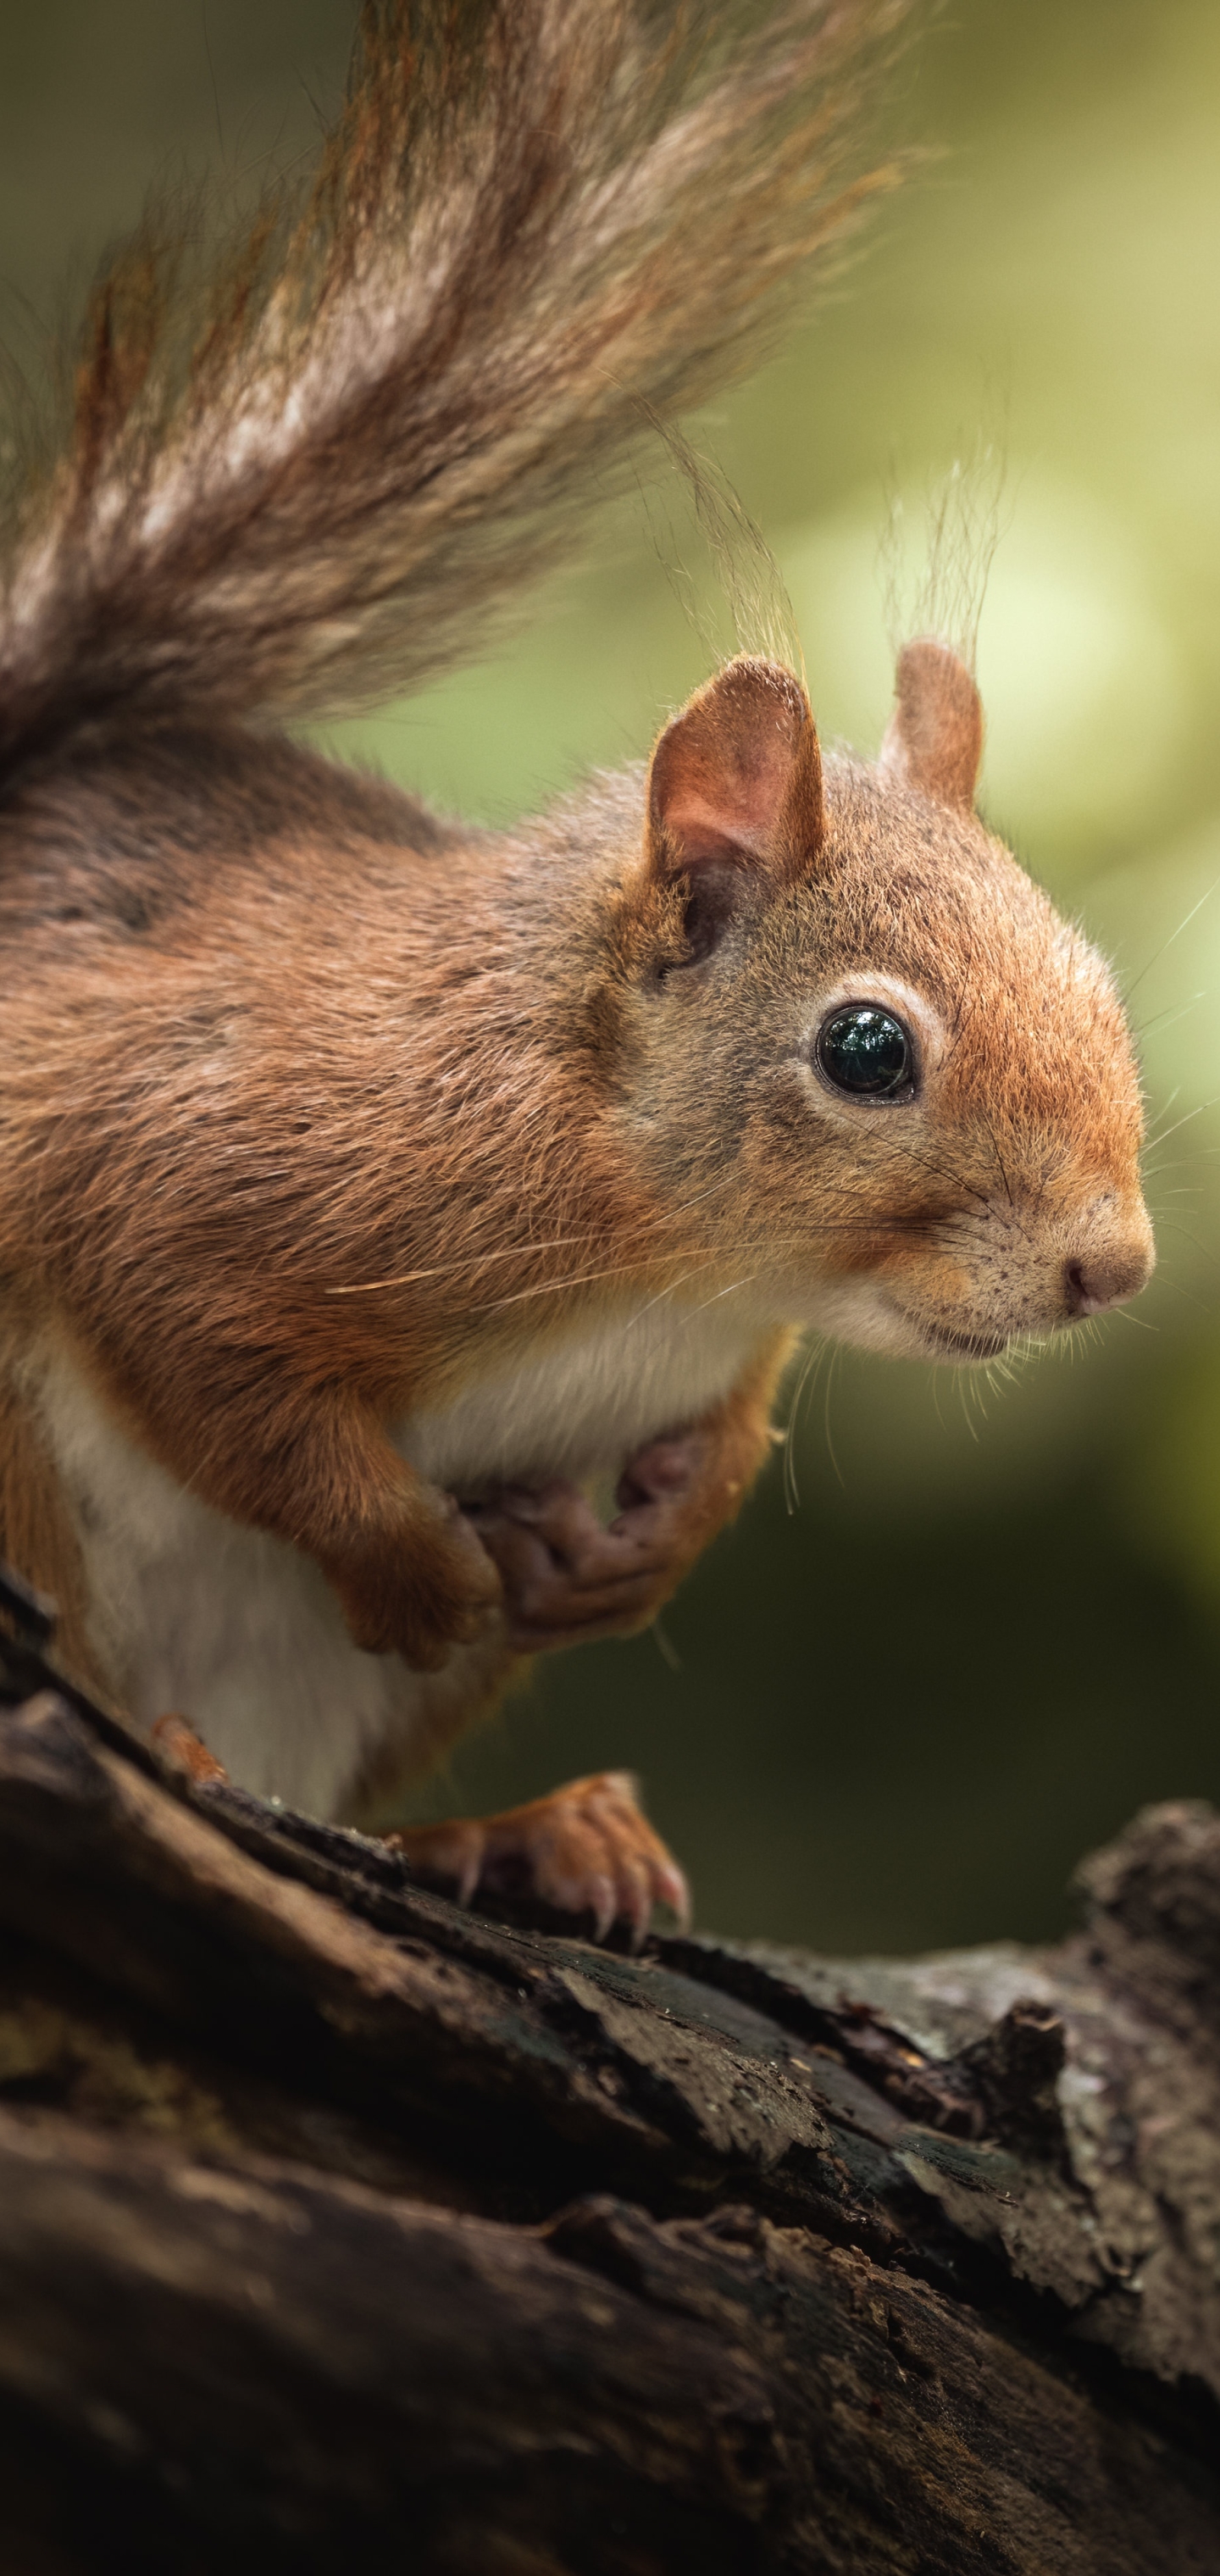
(370, 1186)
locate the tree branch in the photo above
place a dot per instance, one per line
(340, 2226)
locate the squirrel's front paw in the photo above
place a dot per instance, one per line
(418, 1592)
(587, 1849)
(565, 1575)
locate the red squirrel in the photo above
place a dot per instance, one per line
(375, 1189)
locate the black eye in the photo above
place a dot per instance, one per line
(867, 1052)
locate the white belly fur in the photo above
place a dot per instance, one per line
(579, 1408)
(239, 1633)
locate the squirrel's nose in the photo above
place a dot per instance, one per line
(1106, 1277)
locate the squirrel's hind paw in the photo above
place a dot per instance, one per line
(587, 1849)
(177, 1738)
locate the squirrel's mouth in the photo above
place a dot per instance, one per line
(963, 1346)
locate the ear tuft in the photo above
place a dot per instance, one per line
(935, 736)
(736, 778)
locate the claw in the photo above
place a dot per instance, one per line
(471, 1869)
(586, 1850)
(600, 1892)
(673, 1890)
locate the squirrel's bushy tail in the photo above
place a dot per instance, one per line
(313, 476)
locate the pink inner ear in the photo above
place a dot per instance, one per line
(738, 814)
(723, 770)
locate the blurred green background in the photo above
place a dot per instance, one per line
(896, 1716)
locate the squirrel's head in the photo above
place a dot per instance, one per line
(880, 1076)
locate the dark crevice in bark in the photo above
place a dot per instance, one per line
(339, 2225)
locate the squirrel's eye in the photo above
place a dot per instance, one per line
(866, 1051)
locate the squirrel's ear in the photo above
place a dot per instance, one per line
(935, 737)
(736, 779)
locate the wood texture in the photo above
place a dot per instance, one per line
(341, 2228)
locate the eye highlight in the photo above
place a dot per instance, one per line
(866, 1052)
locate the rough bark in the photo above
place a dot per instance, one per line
(339, 2227)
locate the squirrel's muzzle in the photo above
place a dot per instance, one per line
(1107, 1273)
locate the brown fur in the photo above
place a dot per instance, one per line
(292, 1147)
(317, 1111)
(36, 1532)
(308, 471)
(936, 739)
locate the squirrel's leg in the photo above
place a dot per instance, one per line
(567, 1577)
(315, 1466)
(409, 1571)
(587, 1849)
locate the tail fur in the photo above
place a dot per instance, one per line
(316, 475)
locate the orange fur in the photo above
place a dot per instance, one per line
(314, 1143)
(335, 1138)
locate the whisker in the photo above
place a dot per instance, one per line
(965, 1393)
(650, 1261)
(512, 1251)
(944, 1171)
(1175, 1094)
(662, 1251)
(1207, 1250)
(666, 1648)
(835, 1356)
(1168, 943)
(811, 1361)
(937, 1378)
(1172, 1011)
(730, 1291)
(450, 1269)
(556, 1287)
(961, 1023)
(669, 1291)
(1191, 1295)
(1183, 1121)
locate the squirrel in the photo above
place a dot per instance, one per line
(374, 1188)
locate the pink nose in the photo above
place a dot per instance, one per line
(1106, 1278)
